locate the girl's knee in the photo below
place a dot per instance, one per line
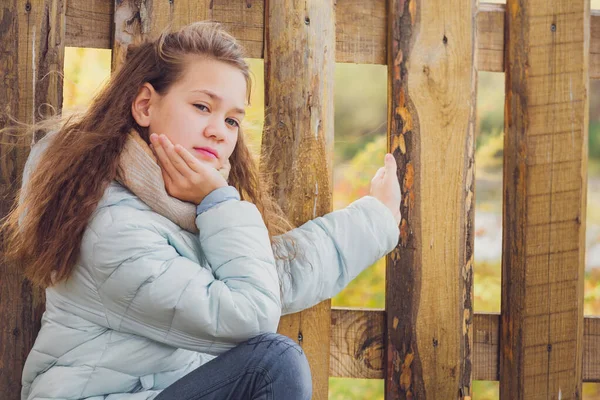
(287, 361)
(281, 347)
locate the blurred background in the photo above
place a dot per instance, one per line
(360, 144)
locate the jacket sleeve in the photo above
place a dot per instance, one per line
(333, 250)
(148, 289)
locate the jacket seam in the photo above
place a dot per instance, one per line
(106, 346)
(94, 269)
(176, 304)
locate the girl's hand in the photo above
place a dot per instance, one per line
(386, 188)
(185, 177)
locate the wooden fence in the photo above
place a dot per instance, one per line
(427, 343)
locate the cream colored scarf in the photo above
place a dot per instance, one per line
(139, 171)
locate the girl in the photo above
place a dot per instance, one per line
(166, 263)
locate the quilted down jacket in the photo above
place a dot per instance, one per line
(148, 302)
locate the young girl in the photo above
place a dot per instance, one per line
(166, 263)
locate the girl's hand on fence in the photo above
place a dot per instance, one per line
(386, 188)
(186, 178)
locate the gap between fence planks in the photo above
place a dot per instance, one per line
(89, 25)
(357, 345)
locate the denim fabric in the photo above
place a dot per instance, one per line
(267, 367)
(217, 196)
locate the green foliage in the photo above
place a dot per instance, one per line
(594, 140)
(360, 103)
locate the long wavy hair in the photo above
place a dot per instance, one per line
(44, 230)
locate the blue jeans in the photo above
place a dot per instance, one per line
(268, 367)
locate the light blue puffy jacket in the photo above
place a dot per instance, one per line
(148, 302)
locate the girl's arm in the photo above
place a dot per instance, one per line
(334, 249)
(148, 289)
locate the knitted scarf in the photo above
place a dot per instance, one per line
(139, 172)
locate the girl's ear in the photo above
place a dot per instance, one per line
(140, 108)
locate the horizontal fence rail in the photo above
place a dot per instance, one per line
(89, 24)
(357, 347)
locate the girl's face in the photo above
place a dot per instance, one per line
(202, 111)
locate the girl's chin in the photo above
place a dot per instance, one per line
(215, 163)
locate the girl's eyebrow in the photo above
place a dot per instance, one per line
(218, 98)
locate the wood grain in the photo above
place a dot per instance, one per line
(591, 349)
(297, 144)
(357, 348)
(89, 23)
(545, 166)
(357, 337)
(32, 48)
(360, 30)
(490, 37)
(429, 294)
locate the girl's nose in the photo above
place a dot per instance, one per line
(216, 130)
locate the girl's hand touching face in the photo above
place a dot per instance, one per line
(186, 178)
(386, 188)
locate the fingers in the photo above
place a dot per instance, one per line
(161, 154)
(391, 167)
(172, 162)
(390, 163)
(379, 174)
(191, 161)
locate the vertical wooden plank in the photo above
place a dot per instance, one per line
(431, 109)
(31, 45)
(545, 166)
(298, 141)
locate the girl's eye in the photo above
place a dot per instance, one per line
(199, 106)
(235, 123)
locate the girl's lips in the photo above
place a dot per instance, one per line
(205, 153)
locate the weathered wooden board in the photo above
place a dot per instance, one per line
(360, 29)
(545, 178)
(429, 283)
(490, 37)
(89, 23)
(297, 144)
(357, 343)
(31, 61)
(357, 348)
